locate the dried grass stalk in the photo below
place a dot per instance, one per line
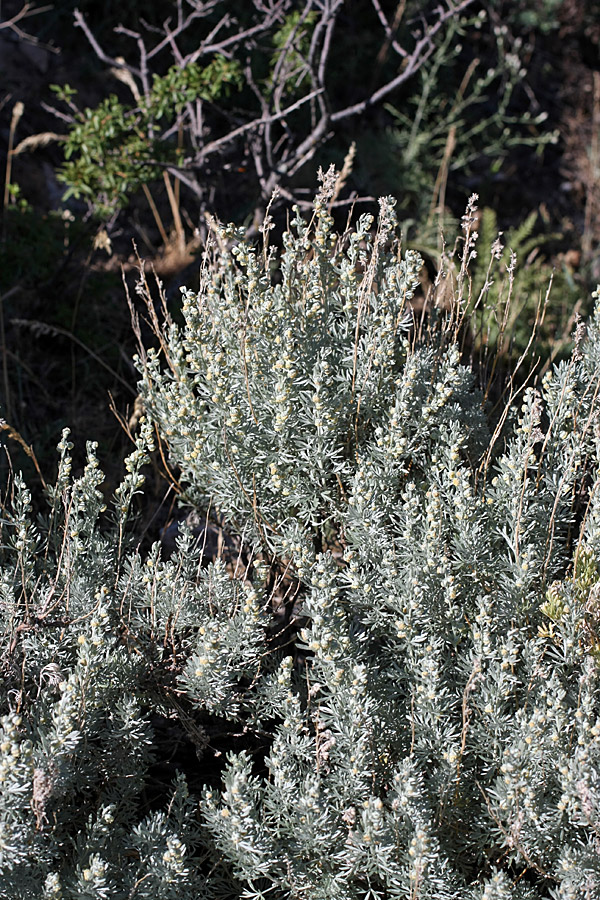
(34, 141)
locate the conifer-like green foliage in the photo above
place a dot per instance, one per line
(427, 724)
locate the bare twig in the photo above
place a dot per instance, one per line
(390, 31)
(26, 11)
(413, 62)
(249, 126)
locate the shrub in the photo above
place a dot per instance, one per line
(256, 94)
(428, 723)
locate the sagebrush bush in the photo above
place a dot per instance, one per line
(427, 723)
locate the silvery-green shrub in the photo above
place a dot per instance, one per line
(428, 723)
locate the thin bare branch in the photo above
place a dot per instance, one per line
(227, 43)
(102, 56)
(390, 30)
(26, 11)
(413, 62)
(213, 146)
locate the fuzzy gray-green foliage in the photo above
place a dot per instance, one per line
(428, 726)
(285, 371)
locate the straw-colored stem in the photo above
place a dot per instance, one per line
(156, 214)
(175, 212)
(17, 112)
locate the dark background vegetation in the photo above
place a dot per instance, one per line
(66, 340)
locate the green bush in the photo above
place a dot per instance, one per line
(113, 149)
(427, 722)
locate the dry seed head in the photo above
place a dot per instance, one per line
(18, 110)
